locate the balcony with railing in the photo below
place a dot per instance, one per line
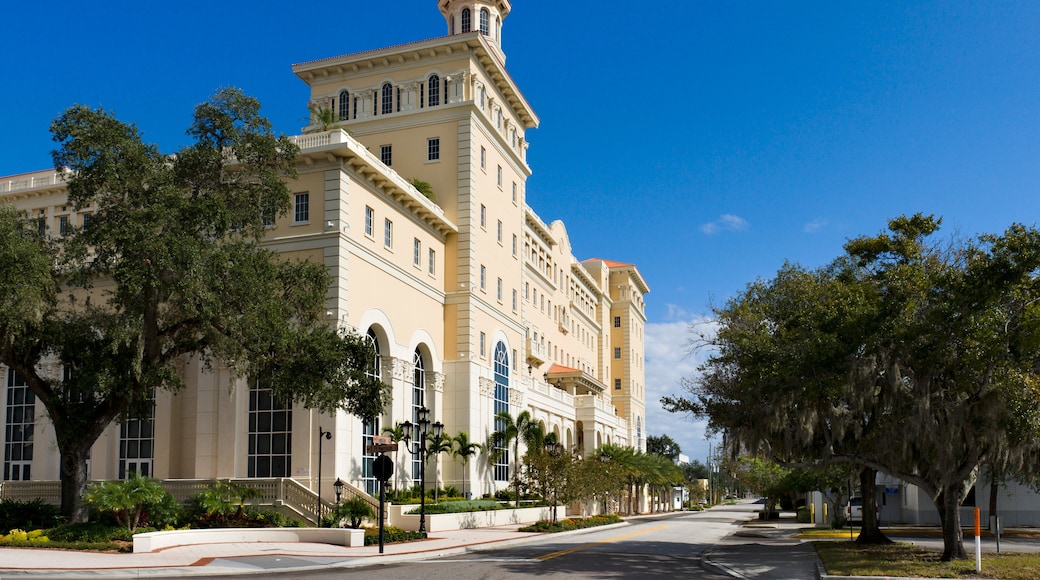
(30, 181)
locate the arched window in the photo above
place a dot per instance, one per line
(370, 428)
(501, 404)
(418, 402)
(434, 91)
(344, 106)
(485, 21)
(388, 100)
(467, 24)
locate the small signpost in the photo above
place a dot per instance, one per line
(978, 540)
(383, 469)
(380, 444)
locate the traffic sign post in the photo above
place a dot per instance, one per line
(383, 469)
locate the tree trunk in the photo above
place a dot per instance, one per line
(949, 503)
(74, 479)
(870, 530)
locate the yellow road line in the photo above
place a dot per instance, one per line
(593, 545)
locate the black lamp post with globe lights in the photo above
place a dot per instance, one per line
(422, 427)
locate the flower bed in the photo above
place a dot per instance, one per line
(569, 524)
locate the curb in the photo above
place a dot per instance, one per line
(345, 563)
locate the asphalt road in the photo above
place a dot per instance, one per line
(668, 546)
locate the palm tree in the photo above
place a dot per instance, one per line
(435, 445)
(397, 434)
(523, 428)
(627, 458)
(465, 448)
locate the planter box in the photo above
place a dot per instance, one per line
(470, 520)
(153, 541)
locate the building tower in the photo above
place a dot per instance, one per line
(464, 16)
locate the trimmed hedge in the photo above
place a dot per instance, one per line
(391, 535)
(454, 507)
(545, 526)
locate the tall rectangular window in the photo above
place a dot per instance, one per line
(417, 252)
(432, 266)
(63, 225)
(388, 233)
(483, 216)
(498, 290)
(514, 300)
(617, 352)
(19, 425)
(483, 157)
(270, 434)
(514, 192)
(500, 177)
(386, 155)
(617, 322)
(301, 207)
(483, 345)
(500, 231)
(137, 441)
(433, 149)
(370, 216)
(617, 384)
(483, 277)
(514, 245)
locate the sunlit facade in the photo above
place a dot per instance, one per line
(474, 303)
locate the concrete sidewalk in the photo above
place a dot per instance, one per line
(238, 558)
(767, 551)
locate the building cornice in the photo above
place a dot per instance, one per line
(472, 43)
(538, 226)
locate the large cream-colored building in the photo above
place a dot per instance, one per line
(474, 302)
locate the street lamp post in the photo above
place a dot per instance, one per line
(422, 428)
(322, 435)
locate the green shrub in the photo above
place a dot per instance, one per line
(89, 532)
(391, 534)
(353, 510)
(452, 507)
(505, 495)
(450, 492)
(128, 501)
(28, 515)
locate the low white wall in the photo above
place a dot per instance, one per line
(469, 520)
(153, 541)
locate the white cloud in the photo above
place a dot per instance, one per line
(671, 356)
(726, 222)
(815, 225)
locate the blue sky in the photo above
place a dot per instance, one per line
(726, 137)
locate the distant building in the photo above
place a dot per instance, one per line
(474, 303)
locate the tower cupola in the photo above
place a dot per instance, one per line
(486, 16)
